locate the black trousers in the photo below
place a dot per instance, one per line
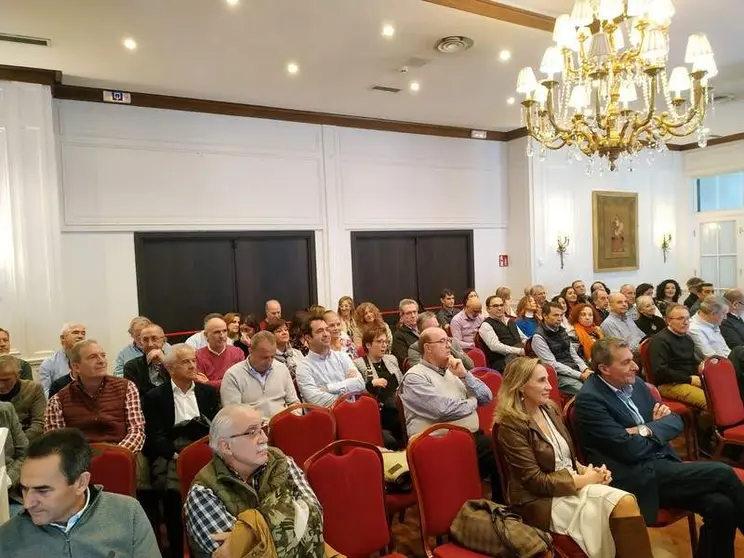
(487, 464)
(711, 490)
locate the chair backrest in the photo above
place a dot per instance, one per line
(361, 351)
(406, 365)
(478, 357)
(501, 464)
(555, 392)
(528, 348)
(444, 469)
(301, 435)
(655, 393)
(485, 412)
(192, 459)
(569, 414)
(643, 350)
(722, 392)
(478, 342)
(401, 417)
(347, 478)
(358, 419)
(115, 468)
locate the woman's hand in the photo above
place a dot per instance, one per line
(379, 382)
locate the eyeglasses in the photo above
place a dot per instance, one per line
(446, 341)
(496, 306)
(253, 432)
(381, 341)
(683, 318)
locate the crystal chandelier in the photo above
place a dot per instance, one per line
(606, 91)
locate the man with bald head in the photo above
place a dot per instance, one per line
(466, 323)
(58, 365)
(619, 325)
(439, 389)
(199, 339)
(214, 359)
(273, 310)
(148, 371)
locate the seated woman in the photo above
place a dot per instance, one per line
(382, 377)
(527, 316)
(667, 292)
(367, 315)
(285, 353)
(338, 341)
(16, 445)
(548, 487)
(567, 325)
(649, 322)
(586, 331)
(644, 289)
(345, 313)
(248, 327)
(569, 295)
(232, 320)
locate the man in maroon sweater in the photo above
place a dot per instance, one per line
(214, 359)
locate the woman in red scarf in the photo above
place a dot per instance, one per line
(584, 319)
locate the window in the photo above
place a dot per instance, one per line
(724, 191)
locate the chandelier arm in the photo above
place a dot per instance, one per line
(533, 132)
(694, 112)
(551, 115)
(651, 103)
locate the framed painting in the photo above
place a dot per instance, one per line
(615, 219)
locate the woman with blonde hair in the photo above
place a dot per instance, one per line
(367, 316)
(338, 341)
(548, 487)
(232, 320)
(345, 312)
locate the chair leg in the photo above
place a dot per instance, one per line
(693, 533)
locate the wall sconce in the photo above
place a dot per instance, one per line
(666, 245)
(563, 242)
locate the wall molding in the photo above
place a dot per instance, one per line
(501, 12)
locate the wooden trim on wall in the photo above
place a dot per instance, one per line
(501, 12)
(95, 95)
(30, 75)
(711, 142)
(515, 134)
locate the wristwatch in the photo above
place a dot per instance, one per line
(645, 431)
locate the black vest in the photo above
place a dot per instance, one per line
(508, 335)
(559, 344)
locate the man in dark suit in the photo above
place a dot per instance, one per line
(406, 334)
(148, 371)
(177, 413)
(621, 426)
(732, 327)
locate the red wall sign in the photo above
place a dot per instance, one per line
(503, 260)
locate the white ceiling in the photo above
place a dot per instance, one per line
(207, 49)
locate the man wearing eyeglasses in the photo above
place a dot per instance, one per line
(249, 482)
(676, 368)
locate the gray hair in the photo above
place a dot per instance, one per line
(675, 306)
(627, 286)
(137, 321)
(171, 356)
(9, 362)
(713, 304)
(223, 425)
(602, 351)
(74, 355)
(733, 295)
(535, 288)
(406, 302)
(423, 317)
(263, 336)
(68, 326)
(596, 293)
(644, 300)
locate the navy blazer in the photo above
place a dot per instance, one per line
(601, 420)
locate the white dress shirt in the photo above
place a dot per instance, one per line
(184, 403)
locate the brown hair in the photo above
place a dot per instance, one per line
(522, 305)
(361, 310)
(369, 334)
(573, 318)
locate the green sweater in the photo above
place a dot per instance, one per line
(112, 526)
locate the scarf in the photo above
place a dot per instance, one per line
(587, 336)
(286, 357)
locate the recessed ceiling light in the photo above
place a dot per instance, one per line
(293, 68)
(414, 86)
(505, 55)
(511, 101)
(388, 31)
(130, 43)
(232, 2)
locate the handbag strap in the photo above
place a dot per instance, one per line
(499, 515)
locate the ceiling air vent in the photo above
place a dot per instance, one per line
(453, 44)
(720, 98)
(25, 40)
(385, 89)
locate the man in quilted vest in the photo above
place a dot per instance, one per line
(246, 476)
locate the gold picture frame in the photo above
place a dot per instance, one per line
(615, 221)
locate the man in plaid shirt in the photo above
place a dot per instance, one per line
(105, 408)
(244, 474)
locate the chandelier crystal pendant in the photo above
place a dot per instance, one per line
(606, 91)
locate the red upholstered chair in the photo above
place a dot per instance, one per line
(444, 469)
(478, 342)
(724, 402)
(402, 416)
(686, 412)
(555, 393)
(563, 544)
(361, 351)
(192, 459)
(478, 357)
(528, 348)
(301, 435)
(115, 468)
(485, 412)
(349, 485)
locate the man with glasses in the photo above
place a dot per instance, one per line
(439, 389)
(676, 367)
(464, 325)
(425, 321)
(501, 338)
(249, 482)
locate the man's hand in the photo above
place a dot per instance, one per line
(224, 550)
(696, 381)
(585, 374)
(201, 378)
(456, 367)
(633, 430)
(379, 382)
(155, 355)
(660, 411)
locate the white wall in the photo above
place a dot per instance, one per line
(127, 169)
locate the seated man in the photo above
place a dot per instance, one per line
(580, 288)
(177, 413)
(26, 373)
(500, 336)
(439, 389)
(539, 293)
(621, 426)
(466, 323)
(104, 408)
(552, 346)
(732, 327)
(273, 311)
(219, 355)
(199, 339)
(448, 310)
(674, 363)
(601, 303)
(246, 475)
(148, 370)
(619, 324)
(693, 285)
(425, 321)
(260, 381)
(629, 292)
(704, 290)
(26, 397)
(58, 365)
(66, 515)
(134, 349)
(324, 375)
(406, 334)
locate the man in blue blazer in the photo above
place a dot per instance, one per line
(620, 425)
